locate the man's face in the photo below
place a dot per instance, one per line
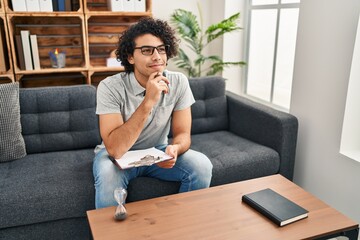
(144, 65)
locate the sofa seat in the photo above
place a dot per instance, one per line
(34, 191)
(235, 158)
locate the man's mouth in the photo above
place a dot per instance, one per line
(156, 65)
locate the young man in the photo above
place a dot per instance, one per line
(136, 110)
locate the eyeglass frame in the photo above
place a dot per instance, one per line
(153, 49)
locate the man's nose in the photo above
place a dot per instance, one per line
(156, 54)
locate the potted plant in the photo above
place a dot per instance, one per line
(189, 30)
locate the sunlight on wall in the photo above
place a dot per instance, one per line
(350, 138)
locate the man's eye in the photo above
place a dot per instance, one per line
(146, 50)
(162, 49)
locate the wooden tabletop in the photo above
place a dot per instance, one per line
(218, 213)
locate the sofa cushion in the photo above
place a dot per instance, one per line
(209, 112)
(59, 118)
(235, 158)
(46, 187)
(12, 144)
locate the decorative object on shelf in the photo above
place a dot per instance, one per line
(112, 61)
(192, 33)
(57, 59)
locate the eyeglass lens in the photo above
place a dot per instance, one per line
(149, 50)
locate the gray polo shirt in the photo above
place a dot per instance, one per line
(121, 93)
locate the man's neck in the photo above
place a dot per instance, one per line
(142, 80)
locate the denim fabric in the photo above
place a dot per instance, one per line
(193, 169)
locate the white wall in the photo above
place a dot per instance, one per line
(233, 47)
(325, 43)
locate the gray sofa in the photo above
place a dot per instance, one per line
(46, 194)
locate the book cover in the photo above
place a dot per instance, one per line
(140, 6)
(19, 52)
(276, 207)
(55, 5)
(68, 5)
(129, 5)
(32, 5)
(61, 5)
(18, 6)
(115, 5)
(25, 40)
(46, 5)
(35, 52)
(138, 158)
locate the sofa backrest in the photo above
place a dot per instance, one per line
(59, 118)
(209, 112)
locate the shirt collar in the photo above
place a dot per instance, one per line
(138, 89)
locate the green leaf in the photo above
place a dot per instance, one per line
(189, 30)
(186, 23)
(227, 25)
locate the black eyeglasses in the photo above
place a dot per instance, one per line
(149, 50)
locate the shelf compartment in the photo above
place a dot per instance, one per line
(63, 32)
(102, 6)
(6, 79)
(49, 79)
(75, 5)
(97, 77)
(103, 36)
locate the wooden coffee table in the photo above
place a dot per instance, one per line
(218, 213)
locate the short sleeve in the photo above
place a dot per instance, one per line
(186, 98)
(107, 100)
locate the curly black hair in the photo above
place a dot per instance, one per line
(147, 25)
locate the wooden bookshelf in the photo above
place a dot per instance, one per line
(2, 6)
(6, 71)
(87, 34)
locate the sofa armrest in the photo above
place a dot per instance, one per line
(267, 126)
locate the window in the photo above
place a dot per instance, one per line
(272, 29)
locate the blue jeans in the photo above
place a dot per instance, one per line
(193, 169)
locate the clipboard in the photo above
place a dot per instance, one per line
(139, 158)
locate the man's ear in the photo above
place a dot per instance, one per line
(131, 59)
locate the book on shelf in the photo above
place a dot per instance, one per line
(68, 5)
(139, 158)
(2, 50)
(55, 5)
(32, 5)
(18, 5)
(274, 206)
(129, 5)
(20, 52)
(139, 6)
(61, 5)
(35, 52)
(115, 5)
(25, 40)
(46, 5)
